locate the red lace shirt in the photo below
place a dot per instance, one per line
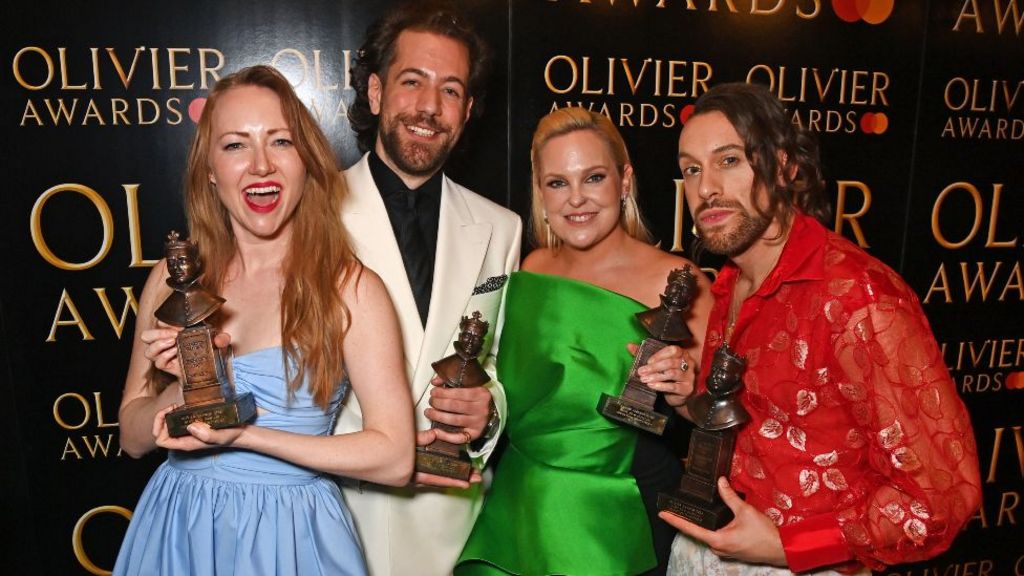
(858, 445)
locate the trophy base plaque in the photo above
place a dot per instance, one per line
(459, 467)
(633, 413)
(709, 515)
(221, 414)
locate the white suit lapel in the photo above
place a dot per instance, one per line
(366, 220)
(461, 247)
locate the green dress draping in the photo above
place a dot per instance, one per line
(563, 500)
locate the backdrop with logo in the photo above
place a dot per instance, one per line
(919, 107)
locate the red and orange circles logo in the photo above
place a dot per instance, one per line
(685, 113)
(870, 11)
(874, 123)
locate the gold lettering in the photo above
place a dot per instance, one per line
(974, 15)
(1007, 510)
(36, 228)
(17, 68)
(92, 111)
(76, 318)
(61, 111)
(129, 304)
(101, 422)
(76, 535)
(206, 70)
(572, 67)
(979, 278)
(673, 78)
(131, 192)
(1001, 19)
(143, 121)
(98, 446)
(878, 90)
(586, 78)
(173, 68)
(87, 411)
(31, 112)
(677, 235)
(69, 448)
(940, 284)
(997, 444)
(756, 9)
(119, 111)
(842, 214)
(937, 233)
(997, 193)
(633, 83)
(64, 82)
(810, 15)
(1014, 281)
(275, 62)
(126, 78)
(154, 59)
(95, 54)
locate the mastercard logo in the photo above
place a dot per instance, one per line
(870, 11)
(1015, 381)
(685, 113)
(195, 109)
(874, 123)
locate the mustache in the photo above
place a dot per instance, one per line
(424, 120)
(716, 203)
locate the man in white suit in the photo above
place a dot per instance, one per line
(443, 252)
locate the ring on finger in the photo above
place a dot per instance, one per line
(469, 437)
(684, 365)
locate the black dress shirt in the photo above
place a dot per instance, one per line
(414, 216)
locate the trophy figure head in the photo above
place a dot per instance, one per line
(182, 260)
(682, 286)
(472, 330)
(726, 370)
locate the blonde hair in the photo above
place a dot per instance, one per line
(314, 319)
(564, 121)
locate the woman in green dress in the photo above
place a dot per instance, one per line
(575, 492)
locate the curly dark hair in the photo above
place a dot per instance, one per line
(761, 121)
(378, 52)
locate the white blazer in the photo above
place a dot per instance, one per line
(421, 531)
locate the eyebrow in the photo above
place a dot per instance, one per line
(423, 74)
(244, 134)
(718, 150)
(587, 169)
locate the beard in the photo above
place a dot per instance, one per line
(415, 158)
(741, 234)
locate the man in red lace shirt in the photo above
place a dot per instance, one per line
(859, 452)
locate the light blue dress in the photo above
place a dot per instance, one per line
(236, 512)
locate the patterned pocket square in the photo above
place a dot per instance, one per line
(491, 284)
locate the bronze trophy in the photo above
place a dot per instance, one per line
(717, 414)
(460, 370)
(666, 326)
(205, 381)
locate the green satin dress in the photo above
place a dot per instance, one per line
(563, 500)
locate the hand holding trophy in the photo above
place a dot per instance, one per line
(459, 370)
(205, 380)
(666, 326)
(717, 414)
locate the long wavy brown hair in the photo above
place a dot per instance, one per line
(320, 261)
(769, 136)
